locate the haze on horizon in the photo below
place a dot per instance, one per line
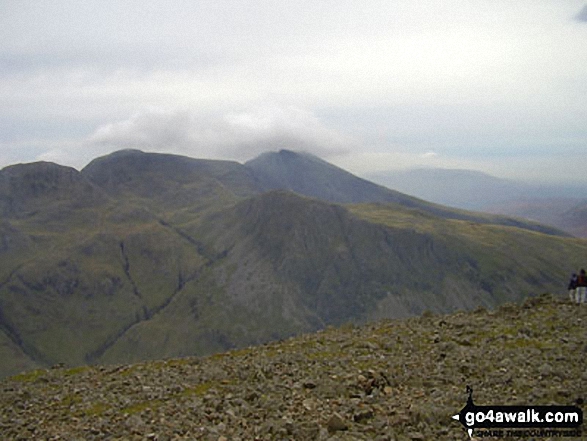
(370, 86)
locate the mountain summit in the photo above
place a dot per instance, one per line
(27, 188)
(309, 175)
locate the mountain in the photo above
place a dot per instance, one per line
(28, 188)
(467, 189)
(308, 175)
(168, 182)
(388, 380)
(145, 256)
(556, 205)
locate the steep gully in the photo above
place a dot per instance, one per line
(148, 314)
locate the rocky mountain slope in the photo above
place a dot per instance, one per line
(145, 256)
(399, 380)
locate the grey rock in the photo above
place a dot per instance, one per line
(336, 423)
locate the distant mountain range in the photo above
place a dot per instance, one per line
(563, 207)
(144, 256)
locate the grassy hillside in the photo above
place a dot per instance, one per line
(127, 261)
(286, 264)
(493, 251)
(391, 380)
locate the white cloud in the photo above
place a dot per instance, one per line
(429, 154)
(429, 76)
(236, 135)
(151, 129)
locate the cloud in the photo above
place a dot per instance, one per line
(429, 154)
(582, 15)
(72, 152)
(274, 127)
(234, 135)
(149, 129)
(424, 76)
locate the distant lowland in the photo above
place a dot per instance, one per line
(143, 256)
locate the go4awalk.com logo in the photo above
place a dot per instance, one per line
(520, 421)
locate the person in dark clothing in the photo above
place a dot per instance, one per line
(581, 287)
(573, 288)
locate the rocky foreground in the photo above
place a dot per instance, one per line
(394, 380)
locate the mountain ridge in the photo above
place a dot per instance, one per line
(310, 176)
(205, 261)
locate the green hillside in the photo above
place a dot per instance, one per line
(144, 256)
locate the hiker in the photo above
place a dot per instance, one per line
(573, 288)
(581, 287)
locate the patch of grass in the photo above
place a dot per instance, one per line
(198, 390)
(29, 377)
(76, 370)
(520, 343)
(97, 409)
(141, 406)
(240, 352)
(129, 370)
(70, 400)
(324, 355)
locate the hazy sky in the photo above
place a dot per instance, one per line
(493, 85)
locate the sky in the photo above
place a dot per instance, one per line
(497, 86)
